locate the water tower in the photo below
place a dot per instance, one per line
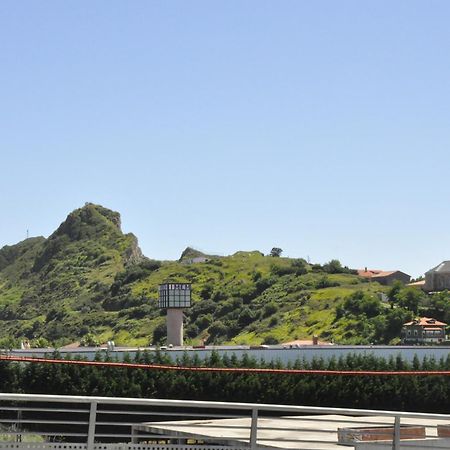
(175, 297)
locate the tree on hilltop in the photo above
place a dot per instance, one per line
(276, 252)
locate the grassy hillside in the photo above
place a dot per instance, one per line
(90, 281)
(51, 288)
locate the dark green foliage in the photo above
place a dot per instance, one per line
(361, 303)
(263, 283)
(159, 333)
(300, 265)
(202, 322)
(192, 330)
(410, 299)
(410, 393)
(335, 266)
(394, 291)
(247, 316)
(206, 291)
(297, 267)
(134, 273)
(9, 254)
(217, 331)
(282, 270)
(270, 340)
(270, 309)
(439, 306)
(324, 282)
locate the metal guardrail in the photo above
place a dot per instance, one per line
(52, 422)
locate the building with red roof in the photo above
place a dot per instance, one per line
(423, 330)
(384, 276)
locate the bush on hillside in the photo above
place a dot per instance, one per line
(217, 330)
(324, 282)
(270, 309)
(335, 266)
(159, 334)
(362, 303)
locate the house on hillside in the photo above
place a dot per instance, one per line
(438, 278)
(196, 260)
(383, 276)
(424, 330)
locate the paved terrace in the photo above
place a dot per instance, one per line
(317, 432)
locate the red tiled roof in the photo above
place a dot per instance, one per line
(367, 273)
(384, 274)
(372, 273)
(426, 322)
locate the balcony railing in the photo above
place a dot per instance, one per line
(52, 422)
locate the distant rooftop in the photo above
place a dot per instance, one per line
(373, 273)
(425, 322)
(443, 267)
(419, 283)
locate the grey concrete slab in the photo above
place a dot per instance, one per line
(317, 432)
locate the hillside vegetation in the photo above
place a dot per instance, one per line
(90, 282)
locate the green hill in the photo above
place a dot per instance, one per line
(90, 281)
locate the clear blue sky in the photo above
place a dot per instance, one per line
(320, 127)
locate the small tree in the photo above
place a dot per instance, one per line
(217, 330)
(410, 298)
(300, 266)
(270, 340)
(276, 252)
(159, 333)
(394, 291)
(334, 266)
(89, 340)
(270, 309)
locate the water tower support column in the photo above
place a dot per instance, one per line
(175, 298)
(175, 327)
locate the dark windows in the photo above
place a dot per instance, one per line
(174, 295)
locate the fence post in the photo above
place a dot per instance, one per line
(134, 435)
(396, 439)
(91, 429)
(254, 429)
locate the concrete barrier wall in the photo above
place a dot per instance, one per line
(284, 355)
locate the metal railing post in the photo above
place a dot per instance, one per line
(254, 429)
(134, 435)
(91, 429)
(396, 439)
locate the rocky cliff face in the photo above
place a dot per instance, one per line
(46, 283)
(133, 254)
